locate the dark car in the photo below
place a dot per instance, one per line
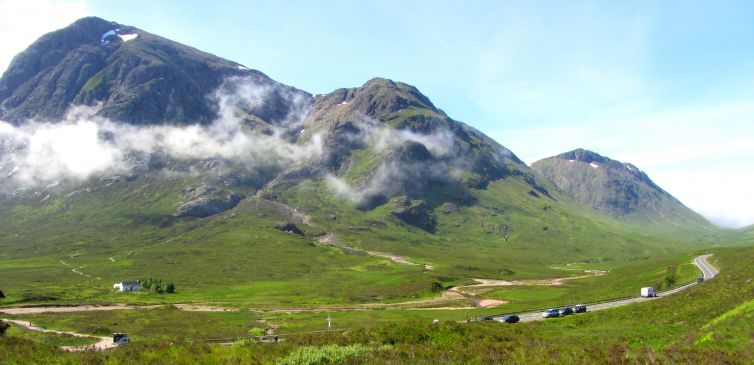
(579, 308)
(700, 279)
(120, 338)
(565, 311)
(512, 318)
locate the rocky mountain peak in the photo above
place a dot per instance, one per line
(583, 155)
(134, 77)
(378, 98)
(614, 188)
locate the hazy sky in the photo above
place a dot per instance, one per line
(666, 85)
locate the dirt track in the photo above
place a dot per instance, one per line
(69, 309)
(103, 343)
(331, 239)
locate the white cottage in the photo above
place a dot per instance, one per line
(127, 286)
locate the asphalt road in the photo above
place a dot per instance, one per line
(700, 261)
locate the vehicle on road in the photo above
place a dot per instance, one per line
(648, 292)
(120, 338)
(511, 318)
(565, 311)
(550, 313)
(700, 279)
(579, 308)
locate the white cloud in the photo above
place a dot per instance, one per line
(84, 145)
(23, 21)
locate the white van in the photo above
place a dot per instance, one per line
(648, 292)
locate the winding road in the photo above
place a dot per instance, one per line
(708, 272)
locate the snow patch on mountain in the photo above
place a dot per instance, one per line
(110, 33)
(128, 37)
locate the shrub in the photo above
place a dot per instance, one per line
(3, 327)
(437, 287)
(155, 285)
(256, 331)
(328, 354)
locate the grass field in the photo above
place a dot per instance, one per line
(168, 323)
(708, 323)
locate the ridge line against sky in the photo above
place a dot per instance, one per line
(665, 86)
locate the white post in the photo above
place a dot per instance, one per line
(329, 322)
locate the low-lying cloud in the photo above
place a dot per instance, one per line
(400, 174)
(85, 145)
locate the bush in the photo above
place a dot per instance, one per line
(437, 287)
(3, 327)
(155, 285)
(328, 354)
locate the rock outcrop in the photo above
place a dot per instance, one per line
(415, 212)
(207, 200)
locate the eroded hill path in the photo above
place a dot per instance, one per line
(330, 239)
(104, 343)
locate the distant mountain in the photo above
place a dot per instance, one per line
(131, 75)
(616, 189)
(218, 176)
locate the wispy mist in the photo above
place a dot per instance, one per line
(84, 145)
(409, 161)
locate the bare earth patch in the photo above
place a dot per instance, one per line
(202, 308)
(80, 308)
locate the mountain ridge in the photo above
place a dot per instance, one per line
(615, 188)
(142, 79)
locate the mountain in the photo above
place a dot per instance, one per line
(131, 75)
(617, 189)
(194, 169)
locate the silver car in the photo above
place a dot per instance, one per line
(550, 313)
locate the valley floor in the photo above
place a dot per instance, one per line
(707, 323)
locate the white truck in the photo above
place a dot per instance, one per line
(648, 292)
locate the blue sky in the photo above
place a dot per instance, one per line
(666, 85)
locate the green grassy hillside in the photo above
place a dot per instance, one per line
(73, 246)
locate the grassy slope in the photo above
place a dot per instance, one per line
(239, 257)
(233, 257)
(473, 242)
(708, 323)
